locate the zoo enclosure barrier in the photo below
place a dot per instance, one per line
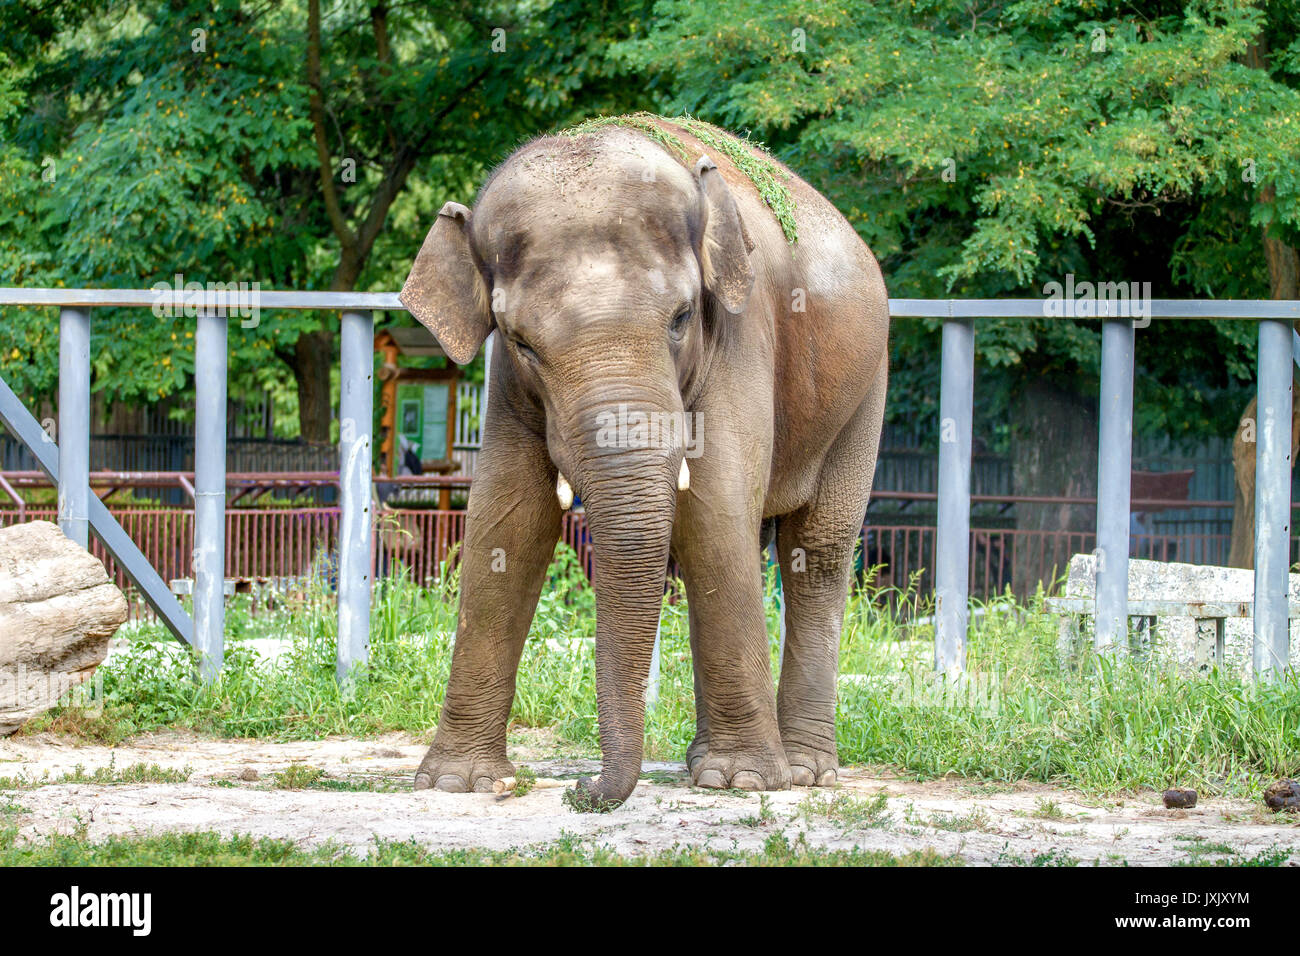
(284, 551)
(79, 510)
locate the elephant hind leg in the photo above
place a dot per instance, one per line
(815, 546)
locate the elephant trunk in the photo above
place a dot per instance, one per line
(630, 496)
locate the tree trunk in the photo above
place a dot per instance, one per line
(1241, 545)
(1053, 454)
(313, 356)
(1284, 283)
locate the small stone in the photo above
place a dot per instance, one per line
(248, 773)
(1178, 798)
(1283, 795)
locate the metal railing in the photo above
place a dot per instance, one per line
(285, 550)
(79, 510)
(1114, 465)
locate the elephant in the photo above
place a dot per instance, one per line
(628, 283)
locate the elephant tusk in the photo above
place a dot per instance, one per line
(564, 491)
(683, 477)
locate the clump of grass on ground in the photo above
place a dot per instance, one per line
(298, 776)
(103, 776)
(1023, 711)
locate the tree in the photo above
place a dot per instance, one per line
(262, 142)
(987, 151)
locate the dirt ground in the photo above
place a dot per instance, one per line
(229, 788)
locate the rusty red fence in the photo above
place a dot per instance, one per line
(293, 546)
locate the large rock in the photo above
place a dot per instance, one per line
(58, 610)
(1178, 638)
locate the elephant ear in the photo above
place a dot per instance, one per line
(445, 290)
(725, 249)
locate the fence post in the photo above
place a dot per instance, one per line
(210, 353)
(1114, 482)
(1272, 500)
(952, 534)
(356, 421)
(73, 434)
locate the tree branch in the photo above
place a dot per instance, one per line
(395, 177)
(316, 100)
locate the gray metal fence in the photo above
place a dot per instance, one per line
(1115, 448)
(80, 511)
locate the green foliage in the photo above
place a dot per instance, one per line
(174, 153)
(987, 152)
(979, 152)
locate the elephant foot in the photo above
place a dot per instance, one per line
(697, 751)
(741, 770)
(812, 767)
(461, 773)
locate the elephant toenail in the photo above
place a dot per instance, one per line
(827, 779)
(801, 776)
(423, 781)
(483, 785)
(451, 783)
(711, 780)
(747, 780)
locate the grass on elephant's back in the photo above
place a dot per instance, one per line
(1105, 726)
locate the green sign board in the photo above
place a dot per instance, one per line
(422, 417)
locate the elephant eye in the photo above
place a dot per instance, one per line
(680, 321)
(525, 350)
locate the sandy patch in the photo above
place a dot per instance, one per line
(228, 789)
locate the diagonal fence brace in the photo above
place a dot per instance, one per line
(24, 427)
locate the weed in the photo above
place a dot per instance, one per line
(298, 776)
(1052, 857)
(848, 811)
(1048, 809)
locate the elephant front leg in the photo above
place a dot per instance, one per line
(510, 533)
(737, 741)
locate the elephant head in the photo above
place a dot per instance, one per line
(611, 275)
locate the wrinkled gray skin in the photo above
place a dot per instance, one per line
(616, 274)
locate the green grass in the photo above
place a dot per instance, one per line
(297, 776)
(976, 819)
(846, 810)
(103, 776)
(1023, 713)
(1048, 810)
(1052, 857)
(212, 849)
